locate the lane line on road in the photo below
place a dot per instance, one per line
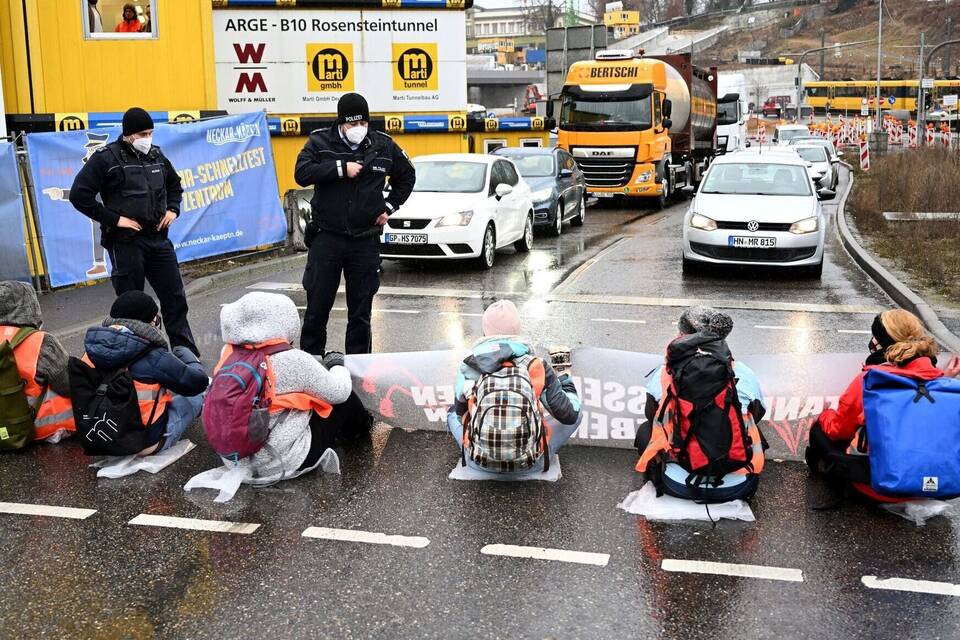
(25, 509)
(855, 331)
(729, 569)
(193, 524)
(618, 320)
(913, 586)
(365, 537)
(778, 327)
(618, 300)
(543, 553)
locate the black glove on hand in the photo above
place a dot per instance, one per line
(560, 359)
(333, 359)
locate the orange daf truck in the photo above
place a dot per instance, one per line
(637, 126)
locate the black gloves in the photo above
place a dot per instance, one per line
(560, 360)
(333, 359)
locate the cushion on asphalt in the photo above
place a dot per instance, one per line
(122, 466)
(461, 472)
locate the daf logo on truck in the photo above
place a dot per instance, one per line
(601, 153)
(614, 72)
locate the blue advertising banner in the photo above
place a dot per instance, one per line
(13, 251)
(230, 192)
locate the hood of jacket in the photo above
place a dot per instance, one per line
(922, 368)
(19, 305)
(119, 342)
(489, 354)
(258, 317)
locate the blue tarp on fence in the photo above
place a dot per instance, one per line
(13, 253)
(230, 192)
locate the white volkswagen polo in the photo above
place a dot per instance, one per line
(758, 210)
(463, 205)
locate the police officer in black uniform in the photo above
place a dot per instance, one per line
(348, 166)
(141, 193)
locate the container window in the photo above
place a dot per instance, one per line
(119, 19)
(489, 146)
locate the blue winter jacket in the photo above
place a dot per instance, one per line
(142, 349)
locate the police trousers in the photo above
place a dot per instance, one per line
(358, 260)
(151, 257)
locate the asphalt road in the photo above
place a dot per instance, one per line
(614, 283)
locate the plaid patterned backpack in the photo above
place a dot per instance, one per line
(504, 428)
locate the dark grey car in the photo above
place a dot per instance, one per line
(559, 192)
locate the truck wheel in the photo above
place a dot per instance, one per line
(665, 196)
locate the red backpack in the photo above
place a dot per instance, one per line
(701, 410)
(236, 411)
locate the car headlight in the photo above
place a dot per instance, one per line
(541, 195)
(460, 219)
(703, 222)
(646, 176)
(807, 225)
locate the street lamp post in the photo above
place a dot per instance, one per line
(879, 62)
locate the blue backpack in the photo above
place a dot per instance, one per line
(913, 432)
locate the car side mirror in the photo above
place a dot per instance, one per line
(503, 189)
(826, 194)
(688, 189)
(566, 173)
(839, 154)
(748, 144)
(667, 123)
(667, 108)
(549, 108)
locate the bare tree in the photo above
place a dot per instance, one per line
(540, 15)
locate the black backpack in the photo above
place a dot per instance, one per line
(107, 411)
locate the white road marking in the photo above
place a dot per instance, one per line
(856, 331)
(24, 509)
(193, 524)
(728, 569)
(629, 301)
(458, 314)
(620, 320)
(776, 327)
(543, 553)
(366, 537)
(913, 586)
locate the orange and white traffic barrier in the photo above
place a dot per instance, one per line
(864, 154)
(912, 134)
(928, 139)
(762, 134)
(945, 136)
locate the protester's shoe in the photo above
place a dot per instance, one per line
(98, 270)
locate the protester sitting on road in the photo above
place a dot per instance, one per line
(501, 393)
(700, 439)
(312, 406)
(41, 362)
(838, 445)
(169, 385)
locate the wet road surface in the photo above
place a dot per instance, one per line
(614, 283)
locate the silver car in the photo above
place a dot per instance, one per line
(819, 162)
(756, 210)
(827, 144)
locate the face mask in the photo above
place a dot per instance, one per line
(356, 134)
(143, 144)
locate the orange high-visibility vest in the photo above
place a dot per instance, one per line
(148, 395)
(279, 402)
(53, 412)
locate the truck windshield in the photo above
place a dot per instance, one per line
(578, 114)
(727, 113)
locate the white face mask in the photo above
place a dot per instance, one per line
(143, 144)
(356, 134)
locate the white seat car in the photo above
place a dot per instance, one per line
(827, 144)
(463, 205)
(756, 209)
(786, 132)
(817, 157)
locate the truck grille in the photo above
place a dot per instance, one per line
(614, 172)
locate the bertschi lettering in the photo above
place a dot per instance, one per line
(613, 72)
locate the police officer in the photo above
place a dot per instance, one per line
(140, 193)
(347, 165)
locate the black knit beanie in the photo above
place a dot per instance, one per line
(879, 332)
(134, 305)
(136, 120)
(352, 107)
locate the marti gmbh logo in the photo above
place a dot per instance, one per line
(330, 67)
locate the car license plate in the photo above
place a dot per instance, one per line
(751, 242)
(405, 238)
